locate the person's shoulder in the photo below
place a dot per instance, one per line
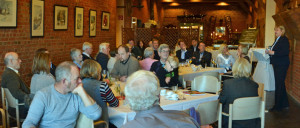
(133, 59)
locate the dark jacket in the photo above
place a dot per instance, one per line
(102, 59)
(84, 57)
(92, 87)
(52, 69)
(136, 51)
(156, 56)
(187, 55)
(281, 49)
(162, 74)
(192, 48)
(206, 59)
(234, 89)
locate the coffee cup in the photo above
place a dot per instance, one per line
(170, 93)
(163, 92)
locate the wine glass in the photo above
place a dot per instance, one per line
(104, 74)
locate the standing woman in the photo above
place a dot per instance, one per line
(279, 58)
(41, 73)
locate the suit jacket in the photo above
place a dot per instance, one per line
(102, 59)
(136, 51)
(237, 88)
(156, 117)
(52, 69)
(14, 83)
(206, 59)
(192, 48)
(84, 57)
(156, 56)
(282, 50)
(187, 55)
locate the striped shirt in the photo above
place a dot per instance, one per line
(107, 95)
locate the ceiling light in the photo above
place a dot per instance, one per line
(167, 0)
(222, 4)
(174, 4)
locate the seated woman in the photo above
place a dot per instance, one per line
(224, 58)
(168, 74)
(240, 86)
(98, 90)
(76, 56)
(243, 52)
(147, 62)
(41, 73)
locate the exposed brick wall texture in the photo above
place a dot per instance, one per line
(58, 43)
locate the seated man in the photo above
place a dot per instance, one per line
(87, 51)
(202, 57)
(103, 55)
(183, 53)
(126, 65)
(142, 93)
(60, 104)
(135, 50)
(12, 81)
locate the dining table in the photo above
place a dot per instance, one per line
(122, 114)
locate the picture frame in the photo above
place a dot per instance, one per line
(221, 30)
(60, 17)
(105, 20)
(37, 18)
(8, 13)
(93, 23)
(78, 26)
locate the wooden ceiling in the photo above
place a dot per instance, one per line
(247, 5)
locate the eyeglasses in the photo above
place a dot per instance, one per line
(165, 51)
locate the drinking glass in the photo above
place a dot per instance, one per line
(104, 74)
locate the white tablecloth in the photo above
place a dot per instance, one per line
(263, 72)
(122, 114)
(187, 73)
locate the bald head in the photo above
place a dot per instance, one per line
(11, 59)
(201, 47)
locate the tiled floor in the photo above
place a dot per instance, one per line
(284, 119)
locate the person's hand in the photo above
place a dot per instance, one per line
(123, 78)
(78, 89)
(193, 57)
(168, 79)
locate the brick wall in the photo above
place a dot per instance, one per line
(58, 43)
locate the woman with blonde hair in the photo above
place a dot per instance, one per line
(41, 73)
(279, 58)
(168, 74)
(224, 58)
(98, 90)
(240, 86)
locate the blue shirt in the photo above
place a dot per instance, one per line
(51, 109)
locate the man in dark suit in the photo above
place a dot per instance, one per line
(87, 51)
(202, 57)
(279, 58)
(102, 57)
(240, 86)
(183, 53)
(155, 48)
(194, 47)
(135, 50)
(13, 82)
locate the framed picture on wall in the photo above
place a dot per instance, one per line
(8, 13)
(78, 21)
(37, 18)
(93, 21)
(105, 21)
(60, 17)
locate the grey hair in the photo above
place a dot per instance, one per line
(86, 45)
(63, 71)
(8, 56)
(103, 45)
(163, 46)
(148, 52)
(142, 90)
(74, 52)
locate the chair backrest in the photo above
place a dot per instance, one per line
(84, 122)
(246, 108)
(261, 91)
(215, 74)
(11, 101)
(208, 112)
(206, 84)
(3, 118)
(3, 98)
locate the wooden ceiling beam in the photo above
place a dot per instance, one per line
(245, 7)
(200, 1)
(250, 3)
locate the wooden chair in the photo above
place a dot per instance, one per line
(210, 112)
(245, 109)
(84, 122)
(3, 118)
(206, 84)
(11, 101)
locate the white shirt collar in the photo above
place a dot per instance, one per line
(14, 70)
(86, 54)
